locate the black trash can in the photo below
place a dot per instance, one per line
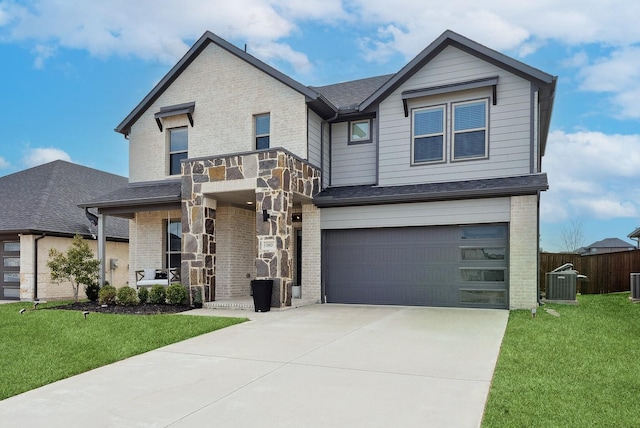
(262, 289)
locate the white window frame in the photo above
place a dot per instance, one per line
(442, 107)
(255, 131)
(176, 152)
(359, 140)
(485, 128)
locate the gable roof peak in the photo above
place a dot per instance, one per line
(207, 38)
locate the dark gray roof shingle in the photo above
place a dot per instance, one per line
(347, 96)
(140, 194)
(45, 198)
(492, 187)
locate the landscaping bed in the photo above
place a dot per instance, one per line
(141, 309)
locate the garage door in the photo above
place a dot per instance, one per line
(462, 266)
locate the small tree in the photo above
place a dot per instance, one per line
(77, 265)
(572, 236)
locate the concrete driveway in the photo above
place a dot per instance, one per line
(315, 366)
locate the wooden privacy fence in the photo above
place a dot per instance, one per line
(607, 273)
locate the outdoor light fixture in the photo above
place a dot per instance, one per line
(85, 313)
(533, 312)
(265, 215)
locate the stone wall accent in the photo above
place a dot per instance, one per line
(523, 252)
(198, 233)
(278, 176)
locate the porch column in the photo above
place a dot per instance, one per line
(102, 239)
(274, 258)
(198, 234)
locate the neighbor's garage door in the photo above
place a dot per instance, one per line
(463, 266)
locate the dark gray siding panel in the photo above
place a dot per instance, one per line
(415, 266)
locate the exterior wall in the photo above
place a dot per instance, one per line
(418, 214)
(315, 139)
(523, 252)
(63, 291)
(509, 123)
(147, 241)
(311, 254)
(227, 92)
(235, 251)
(352, 164)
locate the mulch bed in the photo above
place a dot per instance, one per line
(143, 309)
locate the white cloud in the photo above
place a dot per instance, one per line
(4, 164)
(281, 52)
(618, 75)
(40, 155)
(160, 29)
(591, 174)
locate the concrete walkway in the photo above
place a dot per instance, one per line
(315, 366)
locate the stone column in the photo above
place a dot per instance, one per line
(274, 229)
(198, 233)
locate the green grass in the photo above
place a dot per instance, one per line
(579, 369)
(42, 346)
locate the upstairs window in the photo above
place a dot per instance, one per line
(470, 130)
(428, 134)
(178, 146)
(263, 131)
(360, 131)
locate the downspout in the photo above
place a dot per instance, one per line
(35, 266)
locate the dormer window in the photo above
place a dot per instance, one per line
(360, 131)
(178, 148)
(262, 130)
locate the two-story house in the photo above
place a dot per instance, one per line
(417, 188)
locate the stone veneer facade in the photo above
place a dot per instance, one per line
(276, 176)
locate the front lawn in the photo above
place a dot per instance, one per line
(579, 369)
(42, 346)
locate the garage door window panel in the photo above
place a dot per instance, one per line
(497, 231)
(482, 275)
(482, 253)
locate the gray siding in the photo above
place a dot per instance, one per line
(352, 164)
(326, 155)
(509, 123)
(491, 210)
(314, 138)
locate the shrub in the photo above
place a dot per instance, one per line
(92, 291)
(127, 296)
(143, 294)
(158, 295)
(177, 294)
(107, 295)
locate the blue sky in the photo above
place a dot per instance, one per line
(71, 71)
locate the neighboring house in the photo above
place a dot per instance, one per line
(39, 211)
(608, 245)
(416, 188)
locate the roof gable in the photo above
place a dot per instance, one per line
(315, 100)
(45, 199)
(450, 38)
